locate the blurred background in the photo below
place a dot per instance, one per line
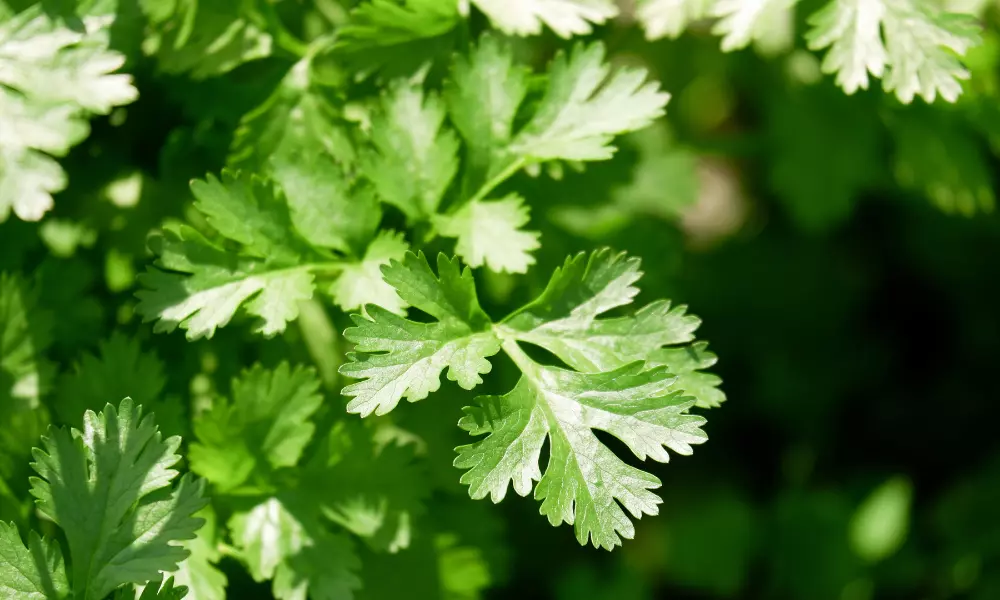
(842, 251)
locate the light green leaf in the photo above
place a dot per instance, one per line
(564, 318)
(267, 425)
(584, 481)
(565, 17)
(398, 358)
(204, 38)
(879, 526)
(51, 78)
(361, 283)
(669, 18)
(489, 233)
(109, 489)
(585, 106)
(687, 363)
(413, 157)
(769, 23)
(911, 44)
(197, 573)
(483, 96)
(199, 285)
(25, 335)
(396, 37)
(35, 572)
(304, 562)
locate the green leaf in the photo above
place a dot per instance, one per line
(413, 157)
(585, 106)
(121, 369)
(564, 318)
(913, 46)
(396, 37)
(584, 481)
(565, 17)
(669, 18)
(51, 78)
(483, 96)
(203, 38)
(361, 282)
(35, 572)
(769, 23)
(398, 358)
(879, 526)
(489, 233)
(297, 136)
(197, 572)
(199, 286)
(687, 363)
(25, 335)
(109, 489)
(267, 425)
(303, 561)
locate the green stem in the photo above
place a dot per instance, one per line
(322, 340)
(508, 172)
(264, 15)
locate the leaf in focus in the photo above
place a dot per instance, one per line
(21, 575)
(584, 481)
(564, 318)
(109, 489)
(266, 425)
(585, 106)
(564, 17)
(880, 524)
(361, 282)
(912, 45)
(204, 38)
(396, 358)
(413, 157)
(396, 37)
(51, 79)
(489, 233)
(199, 286)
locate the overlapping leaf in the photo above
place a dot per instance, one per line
(565, 17)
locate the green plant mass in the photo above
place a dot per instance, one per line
(376, 299)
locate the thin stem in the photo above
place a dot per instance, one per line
(322, 340)
(268, 18)
(508, 172)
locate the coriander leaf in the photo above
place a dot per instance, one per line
(51, 78)
(687, 363)
(267, 424)
(202, 579)
(121, 369)
(565, 17)
(297, 136)
(398, 358)
(489, 233)
(483, 96)
(919, 54)
(382, 510)
(564, 318)
(396, 37)
(361, 282)
(35, 572)
(199, 286)
(585, 106)
(109, 489)
(413, 157)
(584, 481)
(204, 38)
(157, 589)
(303, 561)
(669, 18)
(25, 335)
(767, 22)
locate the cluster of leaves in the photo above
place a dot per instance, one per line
(384, 178)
